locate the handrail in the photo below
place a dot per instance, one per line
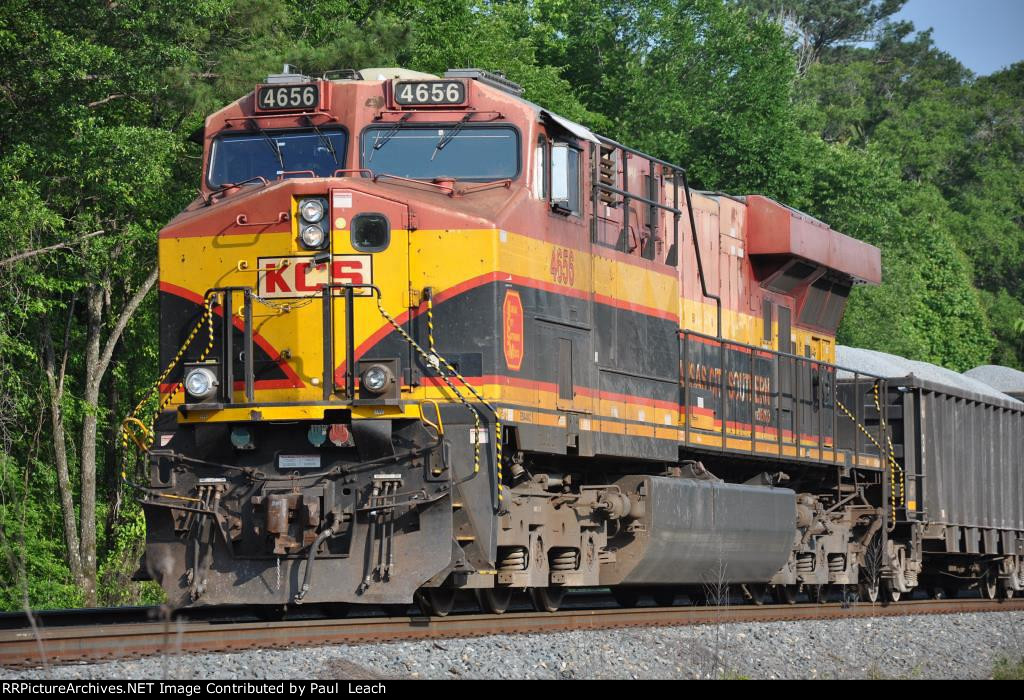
(678, 173)
(230, 185)
(700, 260)
(432, 114)
(389, 176)
(227, 384)
(479, 187)
(615, 144)
(283, 115)
(328, 339)
(645, 200)
(780, 353)
(797, 368)
(243, 220)
(339, 171)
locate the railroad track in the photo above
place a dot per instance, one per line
(63, 643)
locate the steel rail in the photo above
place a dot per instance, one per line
(54, 645)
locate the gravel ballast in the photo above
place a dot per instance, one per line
(929, 646)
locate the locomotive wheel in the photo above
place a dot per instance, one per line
(547, 599)
(494, 600)
(436, 602)
(938, 593)
(757, 593)
(785, 595)
(869, 591)
(664, 597)
(951, 591)
(817, 593)
(396, 610)
(1005, 589)
(891, 593)
(626, 597)
(988, 587)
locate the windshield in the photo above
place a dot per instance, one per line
(457, 151)
(240, 157)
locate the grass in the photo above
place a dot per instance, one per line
(1008, 670)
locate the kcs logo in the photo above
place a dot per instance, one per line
(512, 325)
(298, 276)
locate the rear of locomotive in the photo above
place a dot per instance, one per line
(314, 444)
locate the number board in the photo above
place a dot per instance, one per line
(304, 97)
(429, 93)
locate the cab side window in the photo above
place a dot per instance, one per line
(540, 169)
(565, 178)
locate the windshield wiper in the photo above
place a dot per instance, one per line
(273, 144)
(326, 141)
(379, 141)
(448, 136)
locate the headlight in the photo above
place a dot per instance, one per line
(200, 382)
(312, 210)
(312, 236)
(375, 379)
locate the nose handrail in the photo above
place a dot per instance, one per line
(243, 220)
(359, 171)
(327, 292)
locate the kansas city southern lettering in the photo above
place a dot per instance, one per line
(741, 386)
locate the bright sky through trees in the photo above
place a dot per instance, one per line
(984, 35)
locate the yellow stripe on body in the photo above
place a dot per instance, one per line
(430, 265)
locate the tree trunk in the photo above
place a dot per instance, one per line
(97, 361)
(112, 439)
(93, 377)
(60, 453)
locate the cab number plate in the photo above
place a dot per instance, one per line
(430, 92)
(288, 98)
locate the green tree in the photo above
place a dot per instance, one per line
(97, 101)
(818, 27)
(694, 81)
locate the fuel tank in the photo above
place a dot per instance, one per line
(692, 531)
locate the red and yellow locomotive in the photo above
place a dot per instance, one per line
(424, 335)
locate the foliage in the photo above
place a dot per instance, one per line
(96, 103)
(826, 24)
(826, 105)
(1008, 670)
